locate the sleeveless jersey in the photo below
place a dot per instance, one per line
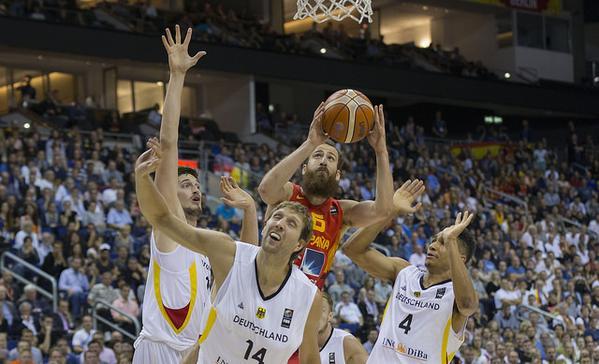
(327, 221)
(332, 352)
(245, 325)
(177, 292)
(417, 326)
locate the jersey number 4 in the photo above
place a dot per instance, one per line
(406, 324)
(258, 355)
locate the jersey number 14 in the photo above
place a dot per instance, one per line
(258, 355)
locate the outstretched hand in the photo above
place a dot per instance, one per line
(461, 223)
(406, 195)
(233, 195)
(178, 56)
(149, 160)
(377, 136)
(316, 135)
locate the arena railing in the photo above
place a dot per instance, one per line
(508, 197)
(564, 221)
(544, 313)
(17, 275)
(96, 317)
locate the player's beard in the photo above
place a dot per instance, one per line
(193, 213)
(319, 185)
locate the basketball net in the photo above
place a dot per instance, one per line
(323, 10)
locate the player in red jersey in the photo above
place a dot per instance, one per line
(321, 173)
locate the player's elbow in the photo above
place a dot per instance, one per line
(468, 306)
(266, 193)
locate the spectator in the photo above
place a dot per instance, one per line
(506, 318)
(373, 335)
(350, 317)
(27, 343)
(84, 335)
(26, 232)
(152, 125)
(126, 304)
(73, 282)
(106, 354)
(418, 257)
(507, 295)
(337, 289)
(7, 307)
(63, 346)
(118, 217)
(39, 305)
(25, 320)
(27, 91)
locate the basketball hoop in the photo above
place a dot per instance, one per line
(323, 10)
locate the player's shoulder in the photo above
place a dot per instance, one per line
(300, 278)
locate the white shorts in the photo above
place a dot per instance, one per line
(152, 352)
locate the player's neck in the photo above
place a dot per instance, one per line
(432, 278)
(324, 336)
(191, 220)
(315, 200)
(272, 271)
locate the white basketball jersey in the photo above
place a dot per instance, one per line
(246, 326)
(417, 326)
(332, 352)
(177, 292)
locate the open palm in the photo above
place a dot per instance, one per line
(406, 195)
(178, 56)
(233, 195)
(462, 221)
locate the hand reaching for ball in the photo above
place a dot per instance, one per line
(377, 136)
(316, 136)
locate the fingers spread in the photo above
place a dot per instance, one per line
(169, 37)
(177, 34)
(187, 38)
(165, 43)
(199, 55)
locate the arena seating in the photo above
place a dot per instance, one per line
(68, 200)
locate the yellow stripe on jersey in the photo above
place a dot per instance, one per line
(444, 359)
(386, 307)
(209, 323)
(193, 279)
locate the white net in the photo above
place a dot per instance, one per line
(323, 10)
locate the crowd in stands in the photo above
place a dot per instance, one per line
(213, 23)
(68, 206)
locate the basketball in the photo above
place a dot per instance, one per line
(348, 116)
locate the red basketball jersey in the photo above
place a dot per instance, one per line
(327, 220)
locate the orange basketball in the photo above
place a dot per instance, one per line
(348, 116)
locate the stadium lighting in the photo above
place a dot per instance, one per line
(424, 42)
(26, 125)
(160, 83)
(323, 50)
(507, 75)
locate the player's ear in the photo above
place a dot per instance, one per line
(338, 175)
(304, 168)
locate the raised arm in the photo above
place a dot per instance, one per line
(360, 214)
(354, 351)
(275, 186)
(218, 247)
(166, 175)
(466, 299)
(235, 196)
(358, 249)
(309, 352)
(377, 264)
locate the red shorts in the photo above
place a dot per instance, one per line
(294, 358)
